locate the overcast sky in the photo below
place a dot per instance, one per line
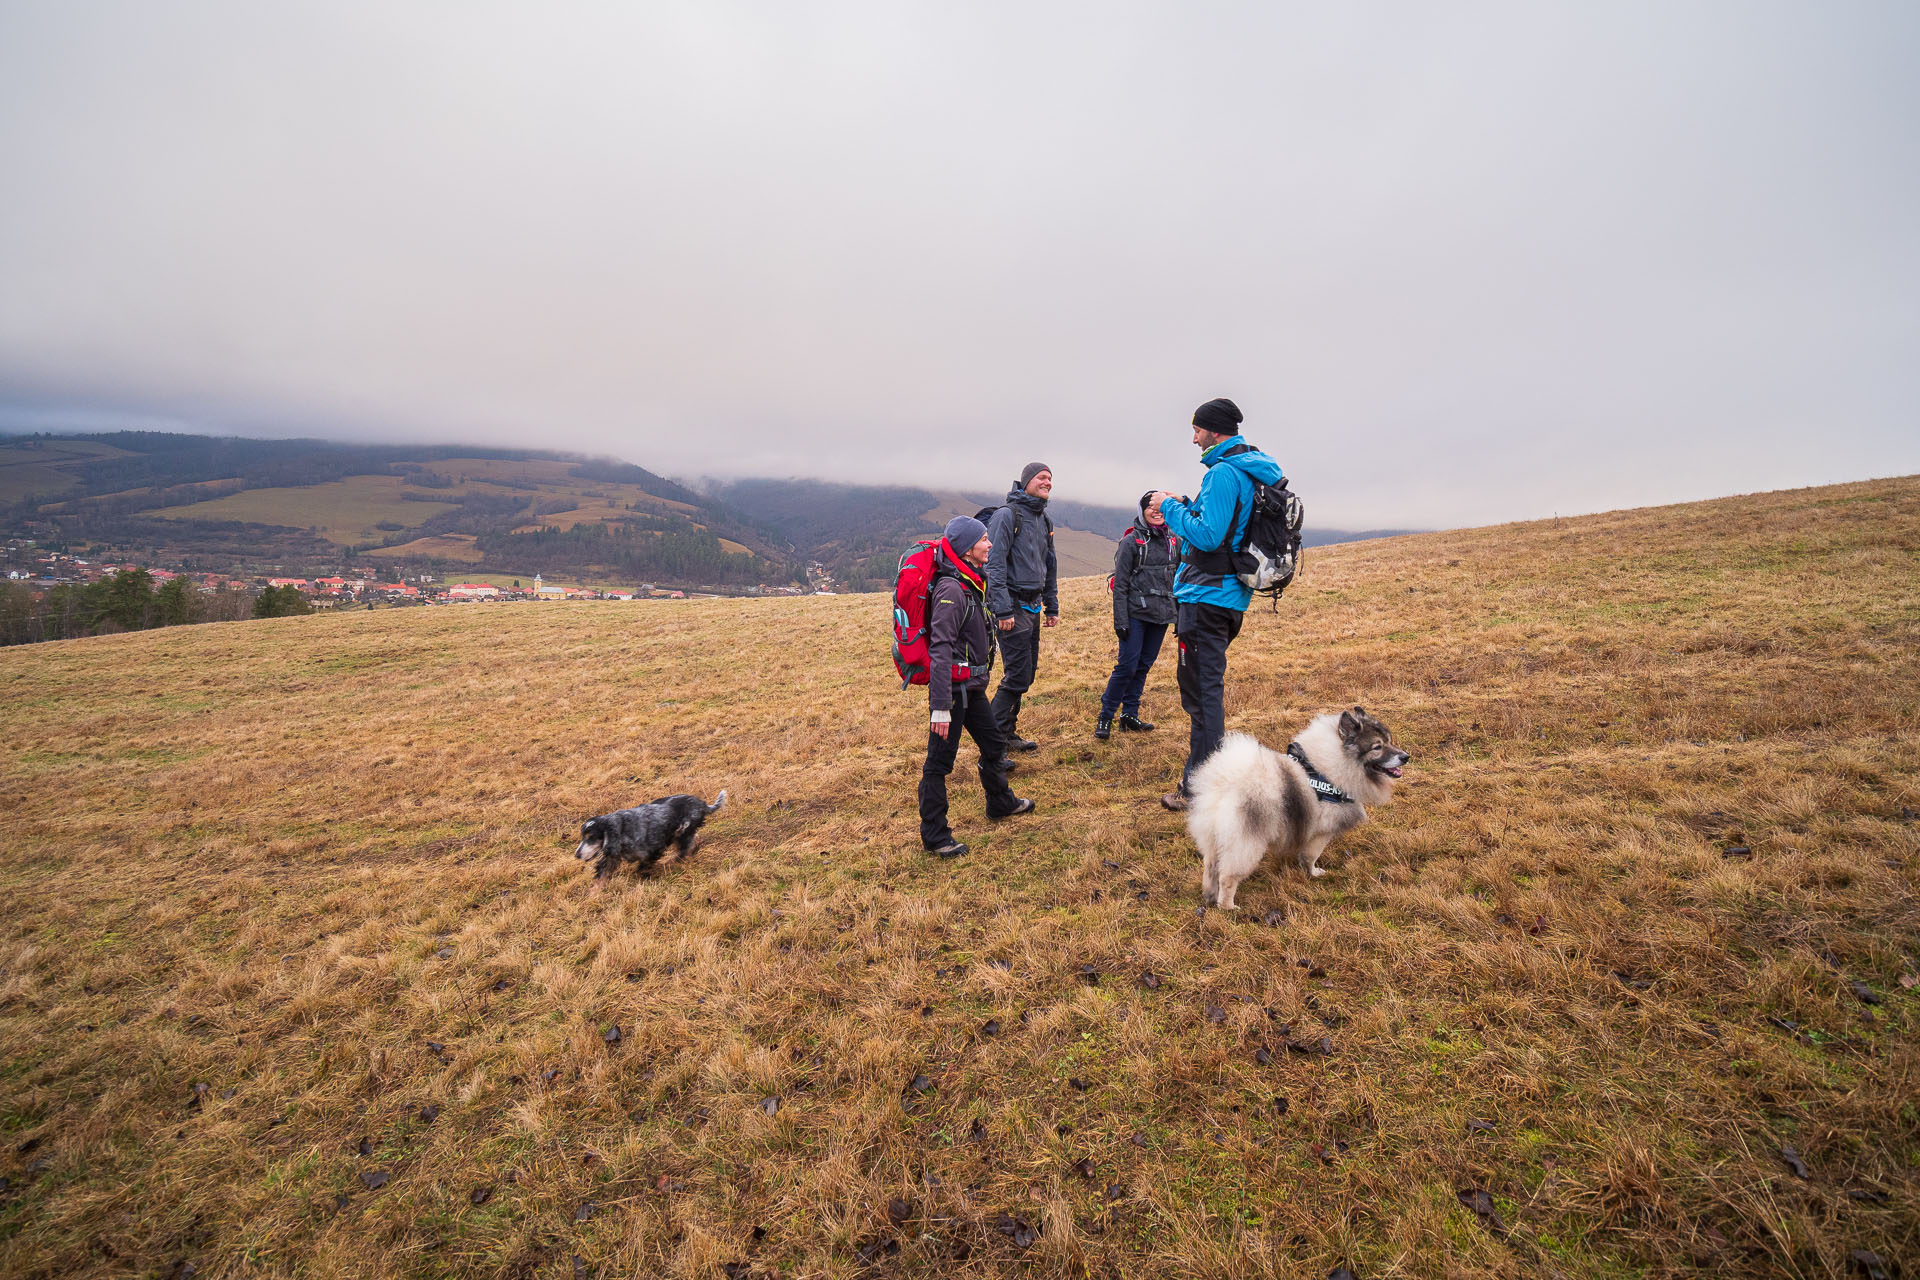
(1457, 263)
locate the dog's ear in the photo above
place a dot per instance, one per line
(1350, 724)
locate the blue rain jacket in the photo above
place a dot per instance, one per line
(1217, 520)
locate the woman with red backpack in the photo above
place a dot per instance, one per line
(960, 658)
(1143, 569)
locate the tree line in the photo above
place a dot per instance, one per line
(129, 601)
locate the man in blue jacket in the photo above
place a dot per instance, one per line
(1209, 599)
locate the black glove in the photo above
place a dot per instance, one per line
(1121, 634)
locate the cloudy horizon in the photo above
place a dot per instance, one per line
(1458, 267)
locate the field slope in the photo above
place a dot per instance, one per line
(297, 975)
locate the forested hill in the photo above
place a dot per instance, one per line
(235, 504)
(307, 506)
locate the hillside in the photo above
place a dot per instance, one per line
(299, 977)
(858, 531)
(239, 505)
(310, 506)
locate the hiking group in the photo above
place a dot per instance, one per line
(990, 583)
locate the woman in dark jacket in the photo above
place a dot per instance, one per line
(1143, 569)
(960, 658)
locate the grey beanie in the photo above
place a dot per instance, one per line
(1032, 469)
(963, 532)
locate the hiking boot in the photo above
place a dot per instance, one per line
(1015, 743)
(1025, 806)
(1134, 724)
(1175, 801)
(1103, 726)
(951, 849)
(1008, 765)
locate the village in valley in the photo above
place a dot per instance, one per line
(37, 569)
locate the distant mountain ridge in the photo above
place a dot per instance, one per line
(858, 531)
(238, 504)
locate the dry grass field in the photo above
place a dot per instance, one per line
(449, 546)
(347, 511)
(342, 511)
(298, 975)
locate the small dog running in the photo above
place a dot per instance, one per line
(1248, 798)
(641, 835)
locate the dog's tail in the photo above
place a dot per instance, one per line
(719, 801)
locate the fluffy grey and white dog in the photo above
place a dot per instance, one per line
(1248, 799)
(643, 834)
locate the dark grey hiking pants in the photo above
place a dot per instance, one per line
(1020, 654)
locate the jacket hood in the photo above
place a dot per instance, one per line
(946, 562)
(1252, 463)
(1145, 530)
(1016, 496)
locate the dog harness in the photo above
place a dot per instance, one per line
(1323, 790)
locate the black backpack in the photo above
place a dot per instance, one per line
(985, 516)
(1269, 556)
(1273, 539)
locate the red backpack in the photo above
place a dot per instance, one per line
(912, 585)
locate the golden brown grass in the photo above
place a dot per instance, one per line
(276, 888)
(342, 511)
(347, 511)
(445, 546)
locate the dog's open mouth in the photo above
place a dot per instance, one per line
(1391, 770)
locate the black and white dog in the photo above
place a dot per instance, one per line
(641, 835)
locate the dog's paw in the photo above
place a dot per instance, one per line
(1317, 871)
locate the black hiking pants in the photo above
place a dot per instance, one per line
(972, 711)
(1205, 631)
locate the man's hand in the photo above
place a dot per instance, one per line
(942, 727)
(1006, 624)
(1053, 620)
(1159, 496)
(1120, 634)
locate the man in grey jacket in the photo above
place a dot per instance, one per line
(1023, 580)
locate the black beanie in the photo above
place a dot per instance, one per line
(1222, 417)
